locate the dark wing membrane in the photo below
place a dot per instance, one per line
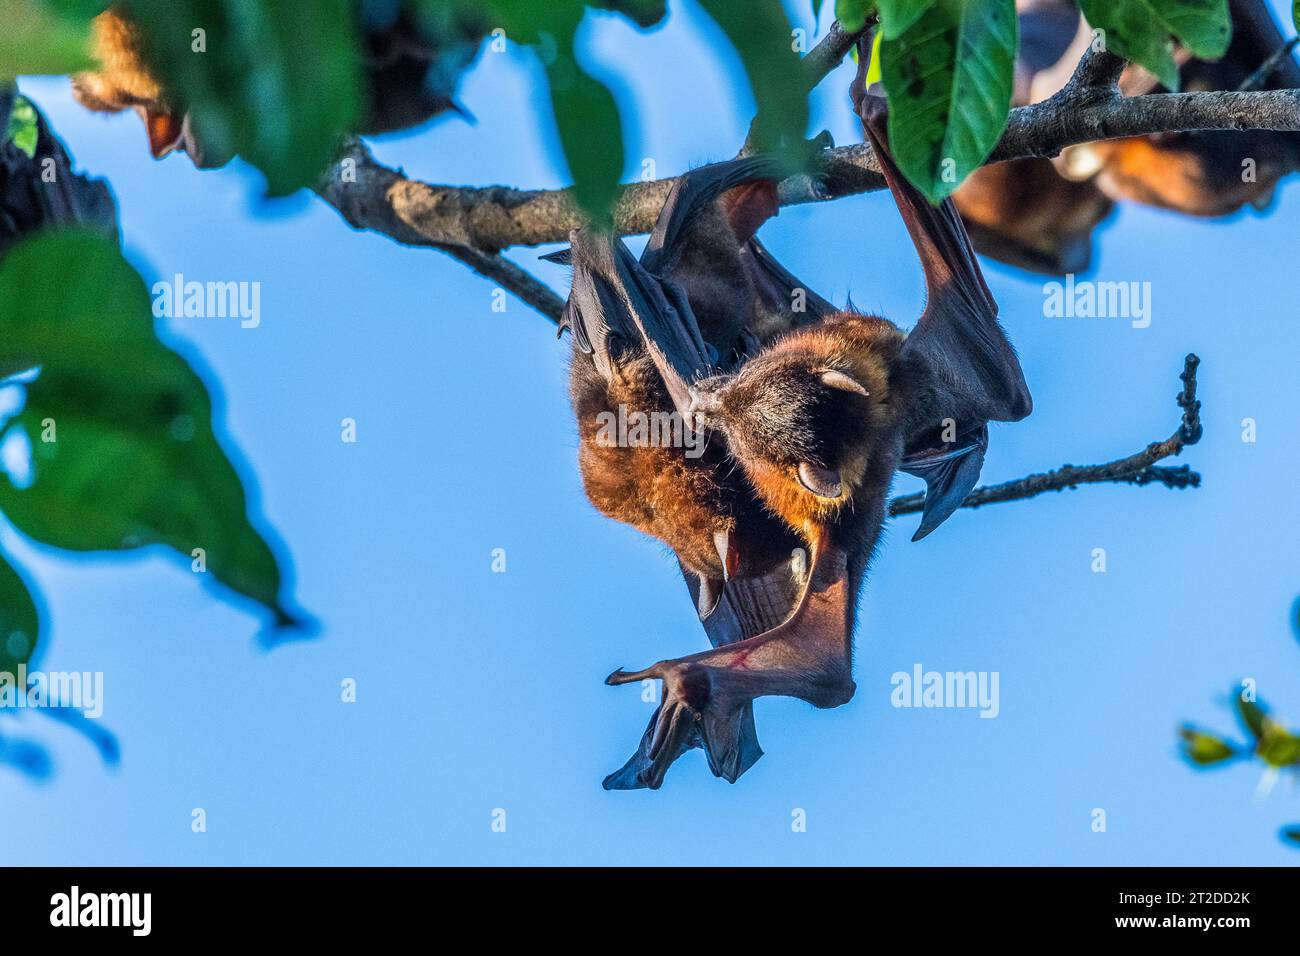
(966, 368)
(958, 335)
(723, 626)
(1256, 33)
(692, 194)
(617, 305)
(779, 291)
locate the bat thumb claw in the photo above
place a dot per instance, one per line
(621, 676)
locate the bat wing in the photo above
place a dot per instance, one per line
(780, 292)
(723, 627)
(1052, 38)
(965, 370)
(696, 192)
(1256, 34)
(616, 306)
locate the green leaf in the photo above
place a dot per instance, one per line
(948, 77)
(1291, 834)
(586, 116)
(123, 452)
(20, 622)
(760, 32)
(1295, 13)
(897, 15)
(591, 132)
(45, 37)
(1143, 30)
(276, 83)
(852, 14)
(644, 13)
(1252, 715)
(1203, 749)
(1278, 747)
(23, 129)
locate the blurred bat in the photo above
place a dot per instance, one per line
(1025, 212)
(1208, 172)
(411, 64)
(1039, 214)
(818, 421)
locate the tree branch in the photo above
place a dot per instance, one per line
(1136, 469)
(1090, 107)
(473, 224)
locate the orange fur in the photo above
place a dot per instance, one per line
(122, 80)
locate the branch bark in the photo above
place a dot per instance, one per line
(1090, 107)
(1136, 469)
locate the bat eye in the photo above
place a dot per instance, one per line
(823, 482)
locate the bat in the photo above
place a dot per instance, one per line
(1026, 212)
(704, 294)
(818, 420)
(411, 68)
(124, 81)
(1039, 214)
(1202, 173)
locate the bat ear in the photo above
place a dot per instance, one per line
(949, 476)
(834, 378)
(823, 482)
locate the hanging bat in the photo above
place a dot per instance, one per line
(1039, 214)
(1206, 172)
(704, 294)
(818, 421)
(1026, 212)
(411, 67)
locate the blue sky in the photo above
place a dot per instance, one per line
(479, 691)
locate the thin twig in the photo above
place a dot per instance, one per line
(1136, 469)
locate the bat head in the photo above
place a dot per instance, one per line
(806, 418)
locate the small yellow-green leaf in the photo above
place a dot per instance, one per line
(1203, 749)
(23, 129)
(1278, 747)
(1252, 715)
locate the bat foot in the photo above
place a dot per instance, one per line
(695, 712)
